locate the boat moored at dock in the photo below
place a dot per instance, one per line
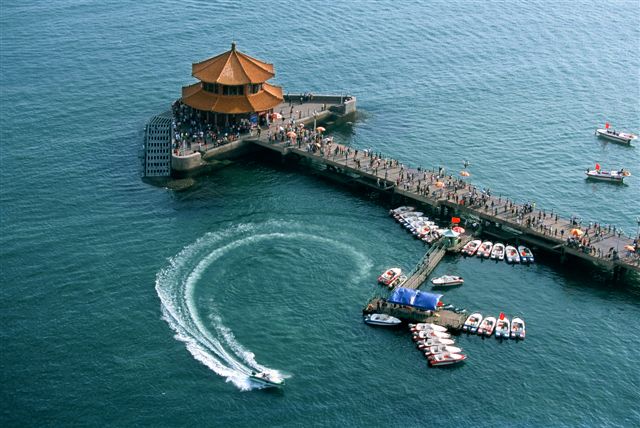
(517, 328)
(471, 247)
(526, 256)
(382, 320)
(389, 276)
(511, 255)
(485, 249)
(503, 327)
(487, 326)
(472, 323)
(446, 359)
(497, 253)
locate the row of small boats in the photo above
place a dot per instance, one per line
(431, 339)
(436, 344)
(498, 251)
(417, 224)
(502, 326)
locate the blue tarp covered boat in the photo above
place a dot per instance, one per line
(415, 298)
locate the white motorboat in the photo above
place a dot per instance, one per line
(472, 323)
(398, 281)
(497, 253)
(430, 334)
(267, 379)
(487, 326)
(503, 328)
(611, 176)
(446, 359)
(511, 255)
(485, 249)
(427, 326)
(617, 136)
(447, 280)
(389, 276)
(401, 210)
(439, 349)
(382, 320)
(471, 247)
(517, 328)
(423, 344)
(526, 256)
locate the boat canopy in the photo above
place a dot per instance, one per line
(418, 299)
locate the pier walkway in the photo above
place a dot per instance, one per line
(426, 265)
(603, 246)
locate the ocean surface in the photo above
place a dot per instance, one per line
(124, 304)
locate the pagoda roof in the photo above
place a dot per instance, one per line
(232, 68)
(195, 96)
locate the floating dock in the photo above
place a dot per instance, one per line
(451, 320)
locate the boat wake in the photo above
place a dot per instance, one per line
(210, 341)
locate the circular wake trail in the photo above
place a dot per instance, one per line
(218, 348)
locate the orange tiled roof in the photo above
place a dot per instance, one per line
(196, 97)
(232, 68)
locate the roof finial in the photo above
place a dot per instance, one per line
(233, 46)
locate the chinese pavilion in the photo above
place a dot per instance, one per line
(232, 86)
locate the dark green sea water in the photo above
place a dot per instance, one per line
(123, 304)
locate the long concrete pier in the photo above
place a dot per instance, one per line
(451, 196)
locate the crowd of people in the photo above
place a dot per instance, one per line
(191, 129)
(435, 183)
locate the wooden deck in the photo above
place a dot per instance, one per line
(539, 228)
(426, 265)
(449, 319)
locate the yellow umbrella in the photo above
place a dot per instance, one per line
(320, 129)
(576, 232)
(465, 173)
(439, 184)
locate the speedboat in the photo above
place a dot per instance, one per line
(617, 136)
(485, 249)
(381, 319)
(439, 349)
(267, 379)
(472, 323)
(423, 344)
(486, 326)
(612, 176)
(447, 280)
(446, 359)
(430, 334)
(389, 276)
(502, 328)
(398, 281)
(517, 328)
(471, 247)
(497, 253)
(511, 255)
(401, 210)
(526, 256)
(427, 326)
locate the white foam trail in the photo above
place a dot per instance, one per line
(175, 285)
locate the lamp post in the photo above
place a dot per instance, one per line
(638, 231)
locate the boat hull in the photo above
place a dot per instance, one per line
(622, 138)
